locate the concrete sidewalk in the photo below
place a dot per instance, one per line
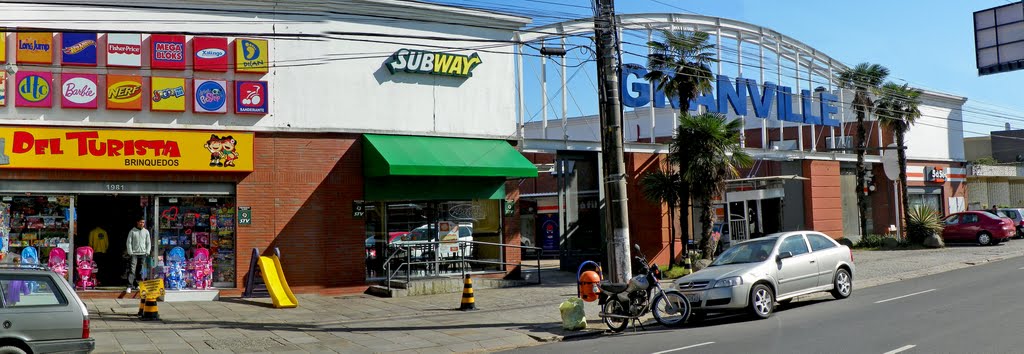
(506, 318)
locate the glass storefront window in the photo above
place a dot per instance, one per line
(435, 235)
(33, 226)
(195, 224)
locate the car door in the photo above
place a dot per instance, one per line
(951, 228)
(828, 254)
(970, 226)
(35, 308)
(799, 272)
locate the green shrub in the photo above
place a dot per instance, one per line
(870, 241)
(673, 273)
(922, 222)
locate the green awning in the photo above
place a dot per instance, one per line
(420, 156)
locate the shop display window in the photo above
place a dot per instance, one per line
(195, 224)
(40, 222)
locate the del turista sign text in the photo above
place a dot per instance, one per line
(637, 93)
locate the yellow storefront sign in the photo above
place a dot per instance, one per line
(145, 150)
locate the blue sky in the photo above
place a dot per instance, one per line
(929, 44)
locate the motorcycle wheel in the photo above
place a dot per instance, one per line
(661, 307)
(613, 307)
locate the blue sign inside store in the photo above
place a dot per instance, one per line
(638, 94)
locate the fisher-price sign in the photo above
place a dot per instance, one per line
(124, 49)
(251, 97)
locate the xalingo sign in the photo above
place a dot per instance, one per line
(433, 63)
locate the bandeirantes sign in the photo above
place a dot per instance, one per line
(141, 150)
(638, 94)
(434, 63)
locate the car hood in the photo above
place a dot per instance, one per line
(719, 272)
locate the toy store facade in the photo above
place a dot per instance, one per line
(224, 143)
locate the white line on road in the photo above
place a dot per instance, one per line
(684, 348)
(900, 349)
(908, 295)
(1020, 268)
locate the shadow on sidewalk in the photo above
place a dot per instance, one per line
(238, 300)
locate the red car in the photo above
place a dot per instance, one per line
(982, 227)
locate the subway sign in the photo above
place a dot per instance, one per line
(433, 63)
(638, 94)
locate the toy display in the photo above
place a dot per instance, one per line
(85, 268)
(176, 264)
(58, 262)
(202, 269)
(204, 225)
(39, 222)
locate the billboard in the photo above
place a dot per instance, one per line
(999, 39)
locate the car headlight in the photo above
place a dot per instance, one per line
(729, 282)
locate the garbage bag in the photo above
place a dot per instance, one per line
(573, 316)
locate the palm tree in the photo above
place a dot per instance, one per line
(660, 186)
(715, 156)
(681, 67)
(897, 109)
(863, 79)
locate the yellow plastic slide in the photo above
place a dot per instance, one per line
(277, 285)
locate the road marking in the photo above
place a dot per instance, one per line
(684, 348)
(1020, 268)
(900, 349)
(908, 295)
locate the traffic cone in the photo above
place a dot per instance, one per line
(150, 311)
(687, 266)
(468, 302)
(142, 304)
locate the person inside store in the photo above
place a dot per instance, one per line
(138, 248)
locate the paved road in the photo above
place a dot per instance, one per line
(970, 310)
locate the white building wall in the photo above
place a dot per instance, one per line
(329, 85)
(939, 133)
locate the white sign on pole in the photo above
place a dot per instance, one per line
(891, 163)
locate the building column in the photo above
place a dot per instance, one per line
(823, 207)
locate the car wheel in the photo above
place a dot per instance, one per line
(984, 239)
(762, 301)
(842, 284)
(10, 349)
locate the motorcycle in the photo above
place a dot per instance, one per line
(624, 303)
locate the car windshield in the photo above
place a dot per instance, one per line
(747, 252)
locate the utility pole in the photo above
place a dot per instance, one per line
(614, 177)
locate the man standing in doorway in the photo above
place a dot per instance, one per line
(138, 247)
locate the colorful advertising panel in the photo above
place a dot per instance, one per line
(251, 97)
(3, 47)
(168, 51)
(78, 49)
(124, 92)
(35, 48)
(79, 91)
(168, 94)
(34, 89)
(124, 49)
(137, 150)
(251, 55)
(210, 54)
(3, 88)
(211, 96)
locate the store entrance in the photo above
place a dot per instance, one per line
(103, 223)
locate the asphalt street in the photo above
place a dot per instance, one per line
(970, 310)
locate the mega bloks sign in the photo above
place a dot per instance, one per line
(168, 52)
(101, 149)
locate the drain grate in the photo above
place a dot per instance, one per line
(243, 343)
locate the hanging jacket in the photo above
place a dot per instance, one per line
(98, 240)
(138, 242)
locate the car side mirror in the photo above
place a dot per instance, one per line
(636, 247)
(784, 255)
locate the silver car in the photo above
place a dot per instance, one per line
(753, 275)
(41, 313)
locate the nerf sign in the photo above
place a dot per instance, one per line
(78, 49)
(211, 96)
(124, 49)
(168, 94)
(251, 97)
(168, 52)
(79, 91)
(422, 62)
(34, 89)
(100, 149)
(210, 54)
(124, 92)
(251, 55)
(35, 47)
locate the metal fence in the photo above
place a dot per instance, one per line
(435, 258)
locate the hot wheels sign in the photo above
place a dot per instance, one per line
(168, 52)
(211, 96)
(78, 49)
(251, 97)
(210, 54)
(124, 49)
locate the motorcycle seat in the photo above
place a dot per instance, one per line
(613, 287)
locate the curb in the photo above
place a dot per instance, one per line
(551, 338)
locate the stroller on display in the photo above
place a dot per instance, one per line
(176, 264)
(58, 262)
(29, 256)
(85, 268)
(202, 269)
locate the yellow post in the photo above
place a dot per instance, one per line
(468, 302)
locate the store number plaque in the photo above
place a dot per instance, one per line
(244, 215)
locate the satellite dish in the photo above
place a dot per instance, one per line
(891, 163)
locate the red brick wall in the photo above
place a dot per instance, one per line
(823, 209)
(511, 228)
(648, 221)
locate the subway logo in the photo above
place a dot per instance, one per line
(433, 63)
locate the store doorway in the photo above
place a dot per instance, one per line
(103, 222)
